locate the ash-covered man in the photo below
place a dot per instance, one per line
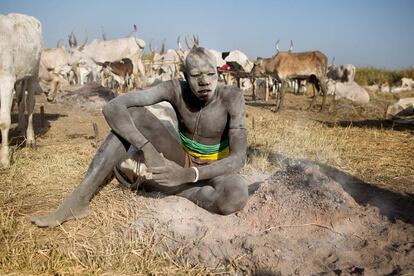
(202, 165)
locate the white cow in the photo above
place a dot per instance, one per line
(53, 70)
(113, 50)
(348, 90)
(167, 64)
(218, 56)
(407, 83)
(396, 109)
(343, 73)
(20, 47)
(240, 58)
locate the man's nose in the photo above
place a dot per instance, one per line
(204, 80)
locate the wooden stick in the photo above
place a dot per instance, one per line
(42, 116)
(96, 133)
(267, 89)
(254, 90)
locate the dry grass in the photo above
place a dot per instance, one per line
(105, 243)
(108, 243)
(376, 154)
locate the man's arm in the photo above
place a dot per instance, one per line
(119, 119)
(173, 174)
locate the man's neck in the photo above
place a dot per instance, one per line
(201, 103)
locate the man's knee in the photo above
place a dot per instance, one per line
(137, 112)
(234, 194)
(143, 119)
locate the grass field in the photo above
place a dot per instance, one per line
(353, 139)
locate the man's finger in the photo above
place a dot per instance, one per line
(159, 177)
(157, 169)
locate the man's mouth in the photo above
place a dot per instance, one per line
(204, 92)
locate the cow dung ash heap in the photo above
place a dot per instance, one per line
(297, 221)
(90, 97)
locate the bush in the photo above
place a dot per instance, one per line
(371, 75)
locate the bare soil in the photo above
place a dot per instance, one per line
(303, 218)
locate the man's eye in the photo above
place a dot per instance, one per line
(195, 75)
(211, 74)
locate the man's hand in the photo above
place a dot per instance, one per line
(172, 174)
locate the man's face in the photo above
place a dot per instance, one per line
(202, 76)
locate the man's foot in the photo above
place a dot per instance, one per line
(59, 216)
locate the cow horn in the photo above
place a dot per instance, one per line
(133, 31)
(162, 48)
(72, 40)
(84, 41)
(333, 61)
(103, 33)
(196, 41)
(186, 42)
(178, 43)
(291, 46)
(59, 44)
(277, 45)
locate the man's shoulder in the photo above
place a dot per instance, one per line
(229, 92)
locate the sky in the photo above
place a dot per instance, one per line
(377, 33)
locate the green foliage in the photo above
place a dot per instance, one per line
(371, 75)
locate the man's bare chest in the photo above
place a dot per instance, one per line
(208, 122)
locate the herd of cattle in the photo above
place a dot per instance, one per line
(25, 66)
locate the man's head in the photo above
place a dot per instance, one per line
(201, 73)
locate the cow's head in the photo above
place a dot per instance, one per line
(258, 69)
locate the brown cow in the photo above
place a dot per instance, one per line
(121, 70)
(285, 65)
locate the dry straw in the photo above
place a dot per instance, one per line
(107, 243)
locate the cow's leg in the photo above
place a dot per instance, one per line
(30, 102)
(54, 83)
(316, 89)
(6, 100)
(323, 88)
(21, 100)
(140, 69)
(281, 95)
(223, 194)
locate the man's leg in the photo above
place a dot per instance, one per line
(112, 151)
(163, 138)
(76, 205)
(160, 139)
(224, 194)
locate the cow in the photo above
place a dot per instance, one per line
(239, 58)
(54, 65)
(403, 107)
(161, 66)
(286, 65)
(342, 73)
(121, 71)
(112, 51)
(407, 83)
(20, 47)
(347, 90)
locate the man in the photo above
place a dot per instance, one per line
(203, 166)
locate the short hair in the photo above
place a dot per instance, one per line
(202, 53)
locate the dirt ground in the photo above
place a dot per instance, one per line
(323, 213)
